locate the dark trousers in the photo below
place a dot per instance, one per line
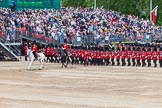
(155, 63)
(52, 60)
(26, 58)
(138, 63)
(128, 60)
(35, 55)
(149, 63)
(95, 61)
(123, 62)
(118, 61)
(143, 62)
(85, 62)
(107, 61)
(56, 59)
(112, 61)
(160, 62)
(133, 61)
(77, 60)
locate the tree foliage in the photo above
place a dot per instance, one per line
(139, 8)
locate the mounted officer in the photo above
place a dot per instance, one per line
(64, 56)
(35, 50)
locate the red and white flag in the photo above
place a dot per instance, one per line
(154, 14)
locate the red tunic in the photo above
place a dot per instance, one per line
(85, 55)
(117, 54)
(123, 55)
(160, 55)
(35, 48)
(143, 55)
(133, 55)
(51, 51)
(154, 57)
(47, 51)
(54, 52)
(128, 55)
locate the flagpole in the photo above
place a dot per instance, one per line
(94, 4)
(154, 8)
(151, 10)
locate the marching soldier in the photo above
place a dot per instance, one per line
(112, 56)
(81, 55)
(54, 54)
(143, 57)
(48, 53)
(51, 54)
(123, 56)
(128, 55)
(148, 56)
(138, 57)
(25, 50)
(95, 57)
(160, 57)
(85, 57)
(133, 55)
(154, 57)
(90, 52)
(118, 56)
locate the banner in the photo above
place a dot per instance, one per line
(154, 14)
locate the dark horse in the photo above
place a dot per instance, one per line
(66, 58)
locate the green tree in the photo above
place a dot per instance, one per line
(139, 8)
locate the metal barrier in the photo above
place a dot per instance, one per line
(12, 36)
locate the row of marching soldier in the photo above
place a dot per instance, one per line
(121, 55)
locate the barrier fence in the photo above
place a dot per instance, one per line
(15, 35)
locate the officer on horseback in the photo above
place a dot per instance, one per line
(35, 50)
(64, 56)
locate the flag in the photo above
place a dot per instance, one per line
(154, 15)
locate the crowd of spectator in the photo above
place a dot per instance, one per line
(77, 25)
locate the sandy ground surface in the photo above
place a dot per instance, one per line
(79, 87)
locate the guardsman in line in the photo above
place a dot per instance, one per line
(160, 57)
(128, 56)
(75, 54)
(154, 57)
(48, 53)
(54, 54)
(25, 48)
(123, 57)
(148, 55)
(133, 56)
(143, 57)
(51, 53)
(81, 54)
(138, 57)
(98, 57)
(101, 57)
(117, 55)
(85, 57)
(43, 50)
(90, 52)
(57, 58)
(107, 58)
(112, 56)
(95, 57)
